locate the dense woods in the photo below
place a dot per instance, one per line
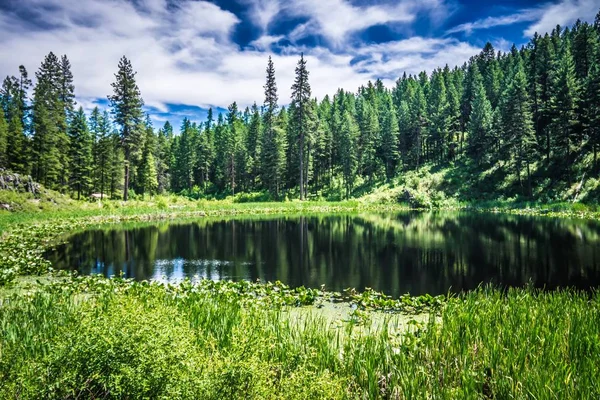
(526, 119)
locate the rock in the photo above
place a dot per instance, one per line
(19, 183)
(6, 207)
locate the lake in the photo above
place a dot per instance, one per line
(397, 253)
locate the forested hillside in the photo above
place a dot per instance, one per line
(518, 125)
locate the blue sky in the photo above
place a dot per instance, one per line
(191, 55)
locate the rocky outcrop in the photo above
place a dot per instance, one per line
(19, 183)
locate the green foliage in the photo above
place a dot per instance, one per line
(521, 124)
(115, 339)
(80, 155)
(126, 103)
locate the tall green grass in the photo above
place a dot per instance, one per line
(99, 338)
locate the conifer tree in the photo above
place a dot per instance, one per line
(438, 117)
(81, 155)
(517, 122)
(367, 140)
(349, 161)
(453, 111)
(103, 151)
(253, 141)
(591, 104)
(16, 146)
(184, 157)
(301, 107)
(564, 99)
(165, 135)
(541, 57)
(148, 177)
(50, 138)
(205, 152)
(126, 103)
(272, 151)
(390, 140)
(480, 124)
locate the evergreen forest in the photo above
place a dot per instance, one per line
(524, 124)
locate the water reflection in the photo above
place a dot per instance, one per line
(397, 253)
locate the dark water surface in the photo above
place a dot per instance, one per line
(411, 252)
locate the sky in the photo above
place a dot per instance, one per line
(192, 54)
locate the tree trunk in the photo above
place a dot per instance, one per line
(547, 146)
(301, 164)
(126, 184)
(529, 190)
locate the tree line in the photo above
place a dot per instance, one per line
(533, 112)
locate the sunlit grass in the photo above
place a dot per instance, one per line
(114, 339)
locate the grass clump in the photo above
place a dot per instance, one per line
(94, 337)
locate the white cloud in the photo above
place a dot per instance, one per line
(564, 13)
(544, 18)
(336, 20)
(414, 55)
(185, 55)
(490, 22)
(263, 11)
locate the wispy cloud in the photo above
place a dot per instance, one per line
(563, 13)
(336, 20)
(527, 15)
(544, 18)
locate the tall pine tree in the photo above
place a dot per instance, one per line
(126, 103)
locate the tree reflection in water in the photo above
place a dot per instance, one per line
(411, 252)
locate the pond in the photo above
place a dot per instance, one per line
(397, 253)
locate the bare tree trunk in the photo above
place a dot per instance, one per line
(126, 184)
(301, 164)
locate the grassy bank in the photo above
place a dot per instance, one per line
(99, 338)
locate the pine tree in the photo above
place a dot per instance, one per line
(184, 158)
(233, 135)
(438, 117)
(253, 141)
(390, 141)
(81, 155)
(126, 103)
(205, 152)
(16, 146)
(349, 161)
(103, 152)
(591, 103)
(67, 88)
(324, 159)
(22, 108)
(564, 99)
(50, 139)
(301, 103)
(453, 110)
(148, 177)
(480, 124)
(93, 126)
(367, 140)
(165, 136)
(541, 57)
(517, 122)
(417, 115)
